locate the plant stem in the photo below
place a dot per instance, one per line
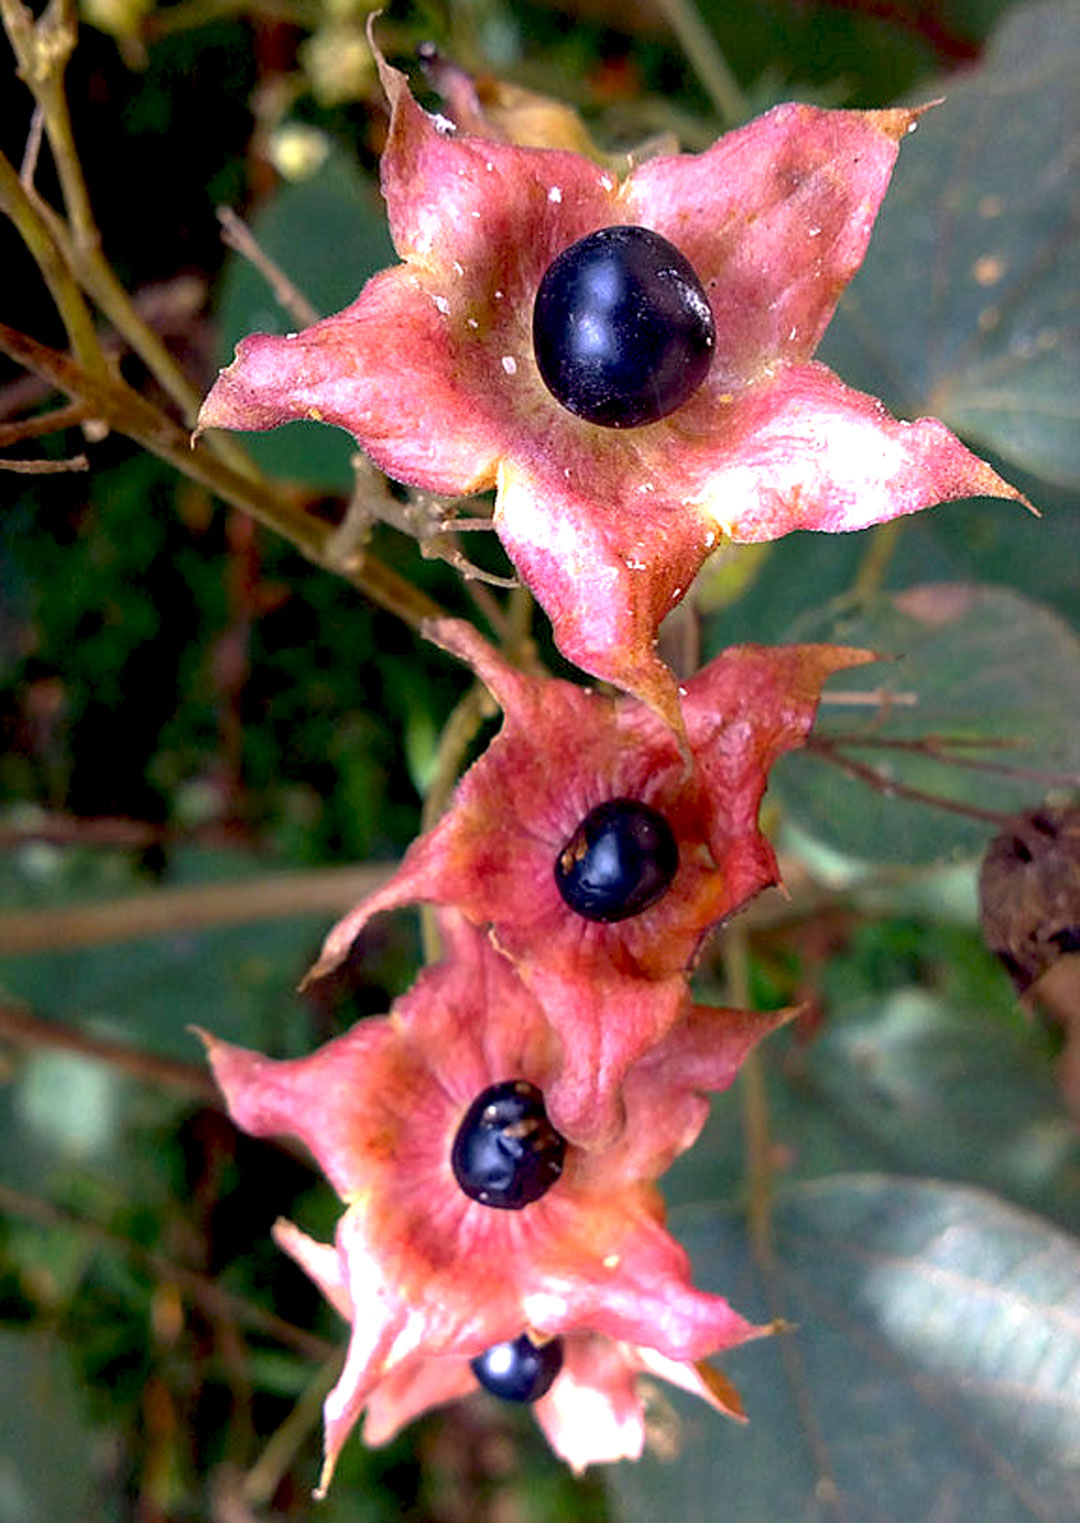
(43, 49)
(48, 423)
(118, 832)
(457, 736)
(213, 1299)
(45, 467)
(755, 1103)
(237, 236)
(128, 412)
(759, 1185)
(817, 745)
(282, 1447)
(190, 15)
(708, 62)
(35, 232)
(68, 257)
(28, 1030)
(944, 749)
(195, 907)
(875, 563)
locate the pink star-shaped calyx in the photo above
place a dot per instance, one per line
(381, 1109)
(562, 751)
(433, 368)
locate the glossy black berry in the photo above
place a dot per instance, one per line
(519, 1370)
(506, 1153)
(622, 328)
(620, 859)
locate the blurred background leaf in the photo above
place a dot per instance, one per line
(968, 304)
(984, 692)
(932, 1370)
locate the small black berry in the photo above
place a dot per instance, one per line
(520, 1370)
(621, 858)
(622, 329)
(506, 1153)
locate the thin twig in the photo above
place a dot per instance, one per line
(22, 393)
(520, 610)
(699, 44)
(759, 1192)
(919, 742)
(881, 783)
(131, 414)
(189, 15)
(475, 577)
(872, 697)
(458, 734)
(943, 748)
(118, 833)
(199, 907)
(237, 236)
(466, 526)
(489, 606)
(424, 516)
(43, 48)
(205, 1292)
(32, 150)
(880, 549)
(45, 467)
(28, 1030)
(39, 236)
(283, 1445)
(736, 960)
(45, 423)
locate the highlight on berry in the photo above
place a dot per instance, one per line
(620, 860)
(622, 329)
(519, 1370)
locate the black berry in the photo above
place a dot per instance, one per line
(506, 1153)
(620, 859)
(520, 1370)
(622, 328)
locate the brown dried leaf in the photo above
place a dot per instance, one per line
(1029, 892)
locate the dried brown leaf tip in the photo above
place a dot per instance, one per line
(1029, 892)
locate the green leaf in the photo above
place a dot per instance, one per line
(973, 541)
(63, 1111)
(42, 1424)
(982, 667)
(984, 541)
(947, 1079)
(933, 1371)
(968, 305)
(240, 979)
(938, 1090)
